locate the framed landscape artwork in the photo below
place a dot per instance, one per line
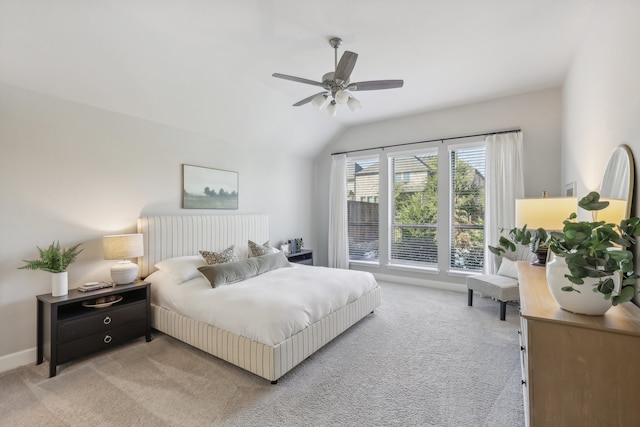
(206, 188)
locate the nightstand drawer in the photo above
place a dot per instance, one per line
(104, 319)
(101, 341)
(305, 256)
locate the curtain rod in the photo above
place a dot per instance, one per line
(429, 140)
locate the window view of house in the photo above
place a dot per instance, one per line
(415, 200)
(363, 195)
(414, 209)
(467, 214)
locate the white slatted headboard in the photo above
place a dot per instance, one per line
(173, 236)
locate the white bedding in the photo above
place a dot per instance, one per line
(268, 308)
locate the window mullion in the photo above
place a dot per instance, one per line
(383, 209)
(444, 212)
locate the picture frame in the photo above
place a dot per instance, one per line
(570, 189)
(208, 188)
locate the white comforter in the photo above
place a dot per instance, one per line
(268, 308)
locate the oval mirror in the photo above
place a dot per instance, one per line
(617, 185)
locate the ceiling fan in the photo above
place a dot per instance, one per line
(336, 84)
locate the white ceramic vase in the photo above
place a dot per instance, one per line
(59, 284)
(584, 302)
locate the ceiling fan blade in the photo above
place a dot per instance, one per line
(376, 85)
(345, 66)
(307, 100)
(297, 79)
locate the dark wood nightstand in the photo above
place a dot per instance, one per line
(67, 329)
(305, 256)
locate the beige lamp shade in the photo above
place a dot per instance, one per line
(614, 213)
(548, 212)
(123, 247)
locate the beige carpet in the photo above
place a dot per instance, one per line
(422, 359)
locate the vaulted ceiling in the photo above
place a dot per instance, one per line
(205, 65)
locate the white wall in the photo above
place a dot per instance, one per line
(601, 96)
(74, 173)
(538, 114)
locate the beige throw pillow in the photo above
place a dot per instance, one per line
(259, 250)
(508, 268)
(228, 255)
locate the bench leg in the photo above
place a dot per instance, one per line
(503, 309)
(470, 298)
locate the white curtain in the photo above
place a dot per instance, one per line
(504, 183)
(338, 236)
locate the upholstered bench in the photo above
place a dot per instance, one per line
(502, 288)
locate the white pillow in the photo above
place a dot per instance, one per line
(182, 268)
(508, 268)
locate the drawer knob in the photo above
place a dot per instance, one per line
(522, 348)
(107, 339)
(524, 382)
(107, 320)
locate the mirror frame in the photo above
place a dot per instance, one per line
(629, 158)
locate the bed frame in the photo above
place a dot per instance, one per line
(172, 236)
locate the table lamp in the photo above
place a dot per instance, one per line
(614, 213)
(548, 213)
(123, 247)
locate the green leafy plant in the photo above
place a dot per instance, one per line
(591, 249)
(53, 259)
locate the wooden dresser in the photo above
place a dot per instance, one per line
(577, 370)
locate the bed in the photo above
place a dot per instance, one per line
(170, 237)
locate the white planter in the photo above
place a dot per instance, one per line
(584, 302)
(59, 284)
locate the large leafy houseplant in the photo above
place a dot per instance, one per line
(594, 249)
(53, 259)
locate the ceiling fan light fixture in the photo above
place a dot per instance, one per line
(337, 85)
(353, 104)
(332, 108)
(320, 101)
(342, 97)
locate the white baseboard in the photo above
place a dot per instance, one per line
(456, 287)
(20, 358)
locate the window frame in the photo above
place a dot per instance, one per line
(356, 159)
(390, 224)
(471, 145)
(385, 199)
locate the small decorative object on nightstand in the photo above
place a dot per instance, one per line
(83, 322)
(295, 245)
(55, 260)
(304, 256)
(123, 247)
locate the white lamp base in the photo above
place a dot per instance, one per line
(124, 272)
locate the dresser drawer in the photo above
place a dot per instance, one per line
(102, 320)
(101, 341)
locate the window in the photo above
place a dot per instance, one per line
(433, 201)
(414, 209)
(363, 191)
(403, 177)
(467, 208)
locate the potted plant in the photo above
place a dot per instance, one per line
(587, 254)
(55, 260)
